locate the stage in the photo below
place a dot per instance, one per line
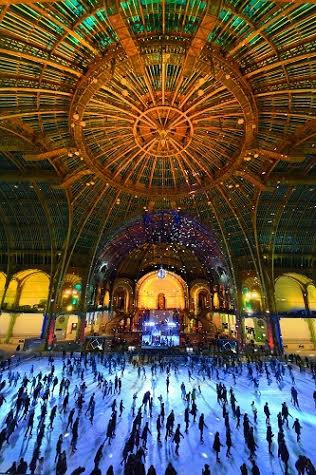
(161, 330)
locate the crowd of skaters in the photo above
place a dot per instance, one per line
(32, 412)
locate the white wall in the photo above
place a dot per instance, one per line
(28, 324)
(4, 323)
(295, 332)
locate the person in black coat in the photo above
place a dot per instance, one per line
(78, 471)
(206, 470)
(61, 467)
(217, 446)
(255, 469)
(12, 469)
(170, 470)
(22, 467)
(243, 469)
(96, 471)
(110, 470)
(269, 438)
(151, 470)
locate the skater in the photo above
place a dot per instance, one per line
(255, 469)
(267, 412)
(206, 470)
(285, 414)
(217, 446)
(170, 470)
(298, 428)
(61, 467)
(144, 436)
(269, 438)
(284, 454)
(59, 446)
(187, 419)
(151, 471)
(294, 397)
(243, 469)
(177, 438)
(201, 426)
(194, 411)
(158, 427)
(229, 443)
(78, 471)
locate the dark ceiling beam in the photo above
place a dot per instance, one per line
(15, 146)
(291, 179)
(30, 252)
(29, 176)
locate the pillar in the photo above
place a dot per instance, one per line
(240, 331)
(239, 323)
(18, 294)
(309, 321)
(272, 319)
(310, 324)
(51, 330)
(82, 314)
(274, 334)
(5, 290)
(48, 327)
(81, 327)
(13, 317)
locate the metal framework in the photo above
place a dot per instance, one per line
(111, 108)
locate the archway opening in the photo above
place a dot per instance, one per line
(154, 293)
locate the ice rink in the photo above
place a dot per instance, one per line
(192, 453)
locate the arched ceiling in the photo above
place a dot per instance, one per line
(109, 108)
(171, 239)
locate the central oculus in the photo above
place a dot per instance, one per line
(163, 131)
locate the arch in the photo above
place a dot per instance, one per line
(311, 296)
(70, 292)
(289, 292)
(123, 293)
(10, 298)
(27, 288)
(252, 295)
(200, 296)
(172, 286)
(34, 290)
(72, 279)
(3, 279)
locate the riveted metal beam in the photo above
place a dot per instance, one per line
(37, 157)
(274, 155)
(253, 180)
(201, 36)
(70, 179)
(126, 40)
